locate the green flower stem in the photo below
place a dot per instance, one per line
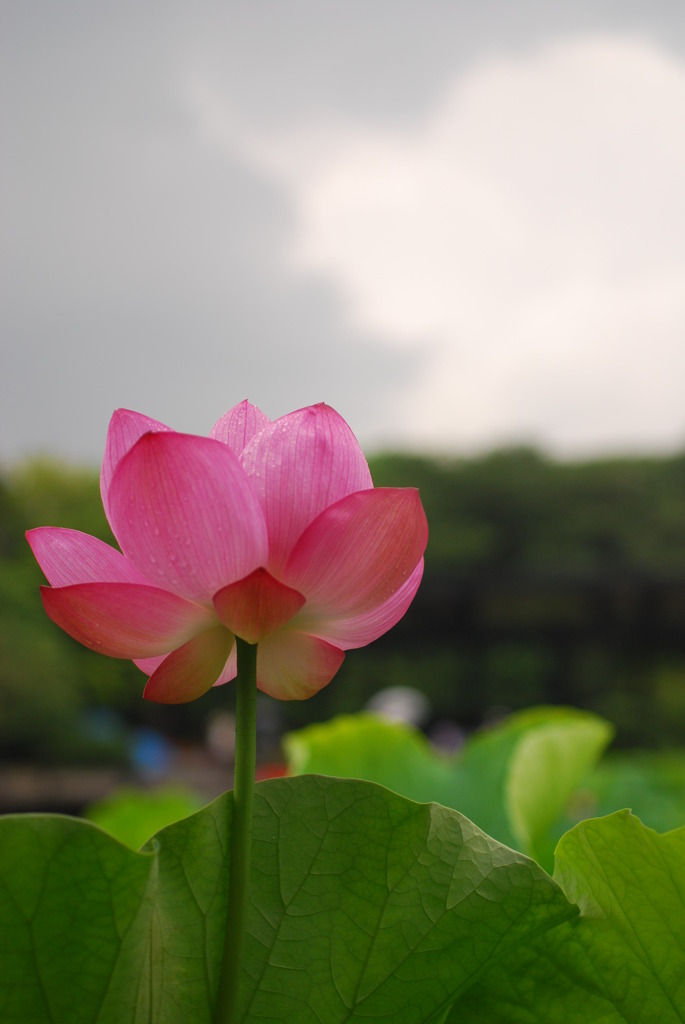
(241, 834)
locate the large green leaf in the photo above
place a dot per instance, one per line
(75, 912)
(364, 906)
(547, 764)
(623, 960)
(514, 780)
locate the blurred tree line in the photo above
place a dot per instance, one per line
(545, 582)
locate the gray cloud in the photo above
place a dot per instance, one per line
(140, 267)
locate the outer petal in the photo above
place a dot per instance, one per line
(125, 427)
(257, 606)
(359, 552)
(362, 629)
(299, 465)
(125, 620)
(191, 670)
(186, 515)
(149, 665)
(294, 666)
(239, 425)
(229, 671)
(69, 556)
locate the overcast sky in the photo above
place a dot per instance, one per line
(461, 224)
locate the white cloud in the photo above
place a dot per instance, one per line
(529, 236)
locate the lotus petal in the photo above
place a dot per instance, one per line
(299, 465)
(149, 665)
(230, 669)
(185, 514)
(191, 670)
(362, 629)
(125, 620)
(125, 428)
(359, 552)
(239, 425)
(256, 606)
(69, 556)
(294, 666)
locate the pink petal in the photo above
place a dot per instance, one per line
(230, 670)
(256, 606)
(294, 666)
(359, 552)
(125, 427)
(239, 425)
(299, 465)
(191, 670)
(362, 629)
(148, 665)
(125, 620)
(69, 556)
(186, 515)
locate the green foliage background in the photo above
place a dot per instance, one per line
(545, 582)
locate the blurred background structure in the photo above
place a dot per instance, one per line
(461, 225)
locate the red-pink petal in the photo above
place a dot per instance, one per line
(191, 670)
(257, 605)
(359, 552)
(125, 620)
(299, 465)
(186, 515)
(229, 671)
(125, 428)
(69, 556)
(362, 629)
(294, 666)
(239, 425)
(149, 665)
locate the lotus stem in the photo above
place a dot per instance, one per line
(241, 835)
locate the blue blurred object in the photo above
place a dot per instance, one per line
(150, 752)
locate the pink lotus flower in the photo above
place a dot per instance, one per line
(270, 531)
